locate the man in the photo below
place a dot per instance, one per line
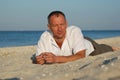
(61, 43)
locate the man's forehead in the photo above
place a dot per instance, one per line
(59, 15)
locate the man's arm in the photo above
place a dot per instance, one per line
(40, 59)
(78, 55)
(51, 58)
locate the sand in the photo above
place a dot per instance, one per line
(16, 64)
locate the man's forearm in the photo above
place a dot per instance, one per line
(62, 59)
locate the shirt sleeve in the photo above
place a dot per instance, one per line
(41, 46)
(77, 40)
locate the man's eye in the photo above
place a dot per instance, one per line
(62, 24)
(55, 26)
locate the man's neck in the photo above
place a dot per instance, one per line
(59, 42)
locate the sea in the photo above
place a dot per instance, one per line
(26, 38)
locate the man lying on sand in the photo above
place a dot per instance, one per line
(62, 44)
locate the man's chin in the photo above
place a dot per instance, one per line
(59, 37)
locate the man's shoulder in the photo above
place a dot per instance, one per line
(73, 30)
(46, 33)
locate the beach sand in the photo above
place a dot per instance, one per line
(16, 64)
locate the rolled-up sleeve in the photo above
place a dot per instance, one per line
(41, 46)
(77, 40)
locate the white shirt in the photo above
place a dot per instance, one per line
(73, 43)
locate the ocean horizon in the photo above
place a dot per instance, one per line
(25, 38)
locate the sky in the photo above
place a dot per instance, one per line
(30, 15)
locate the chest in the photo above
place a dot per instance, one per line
(61, 49)
(59, 44)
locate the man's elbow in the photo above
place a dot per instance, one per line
(82, 53)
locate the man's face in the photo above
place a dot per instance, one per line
(58, 26)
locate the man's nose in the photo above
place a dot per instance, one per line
(59, 28)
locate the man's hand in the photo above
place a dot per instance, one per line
(49, 57)
(40, 59)
(46, 57)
